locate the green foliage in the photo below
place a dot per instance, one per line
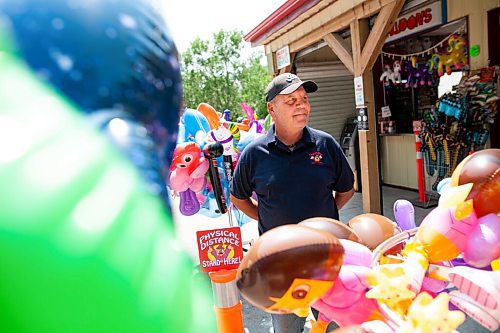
(215, 72)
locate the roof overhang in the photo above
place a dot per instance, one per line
(300, 23)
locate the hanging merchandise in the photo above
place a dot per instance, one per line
(437, 57)
(460, 124)
(453, 57)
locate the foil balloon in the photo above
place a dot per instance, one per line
(373, 229)
(477, 293)
(336, 228)
(482, 169)
(106, 55)
(268, 279)
(194, 127)
(210, 114)
(483, 243)
(404, 213)
(187, 176)
(443, 235)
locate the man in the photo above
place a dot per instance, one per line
(293, 170)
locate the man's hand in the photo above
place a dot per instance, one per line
(247, 206)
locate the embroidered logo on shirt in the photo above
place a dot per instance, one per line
(316, 157)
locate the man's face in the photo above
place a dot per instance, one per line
(290, 111)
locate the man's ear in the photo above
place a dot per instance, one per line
(270, 109)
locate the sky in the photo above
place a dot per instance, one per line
(188, 19)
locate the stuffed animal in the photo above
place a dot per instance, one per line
(396, 74)
(387, 75)
(411, 68)
(455, 56)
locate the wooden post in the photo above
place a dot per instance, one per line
(366, 46)
(368, 152)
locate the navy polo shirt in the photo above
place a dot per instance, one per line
(292, 185)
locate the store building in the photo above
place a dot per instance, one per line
(317, 40)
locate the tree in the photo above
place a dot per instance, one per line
(215, 72)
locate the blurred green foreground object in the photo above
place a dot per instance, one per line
(83, 248)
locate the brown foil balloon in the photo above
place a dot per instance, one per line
(337, 228)
(483, 170)
(282, 255)
(373, 229)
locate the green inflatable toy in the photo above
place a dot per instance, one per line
(84, 247)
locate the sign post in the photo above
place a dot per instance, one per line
(220, 252)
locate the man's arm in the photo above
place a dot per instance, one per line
(341, 198)
(247, 206)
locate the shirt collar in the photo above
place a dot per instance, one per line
(307, 137)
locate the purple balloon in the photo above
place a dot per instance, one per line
(404, 213)
(189, 204)
(483, 244)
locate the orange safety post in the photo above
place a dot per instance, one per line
(228, 308)
(417, 126)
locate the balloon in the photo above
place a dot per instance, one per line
(404, 212)
(373, 229)
(210, 114)
(228, 136)
(369, 326)
(248, 110)
(104, 55)
(346, 302)
(196, 127)
(270, 280)
(483, 244)
(188, 168)
(336, 228)
(477, 294)
(443, 235)
(83, 246)
(267, 122)
(356, 253)
(443, 185)
(483, 170)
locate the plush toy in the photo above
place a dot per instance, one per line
(396, 75)
(411, 68)
(425, 75)
(387, 75)
(455, 55)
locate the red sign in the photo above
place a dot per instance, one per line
(219, 249)
(417, 20)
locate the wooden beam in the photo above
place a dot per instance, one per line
(341, 49)
(335, 17)
(385, 20)
(356, 47)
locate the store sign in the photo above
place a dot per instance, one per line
(219, 249)
(417, 20)
(359, 94)
(283, 57)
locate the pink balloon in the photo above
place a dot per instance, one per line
(346, 303)
(356, 253)
(483, 244)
